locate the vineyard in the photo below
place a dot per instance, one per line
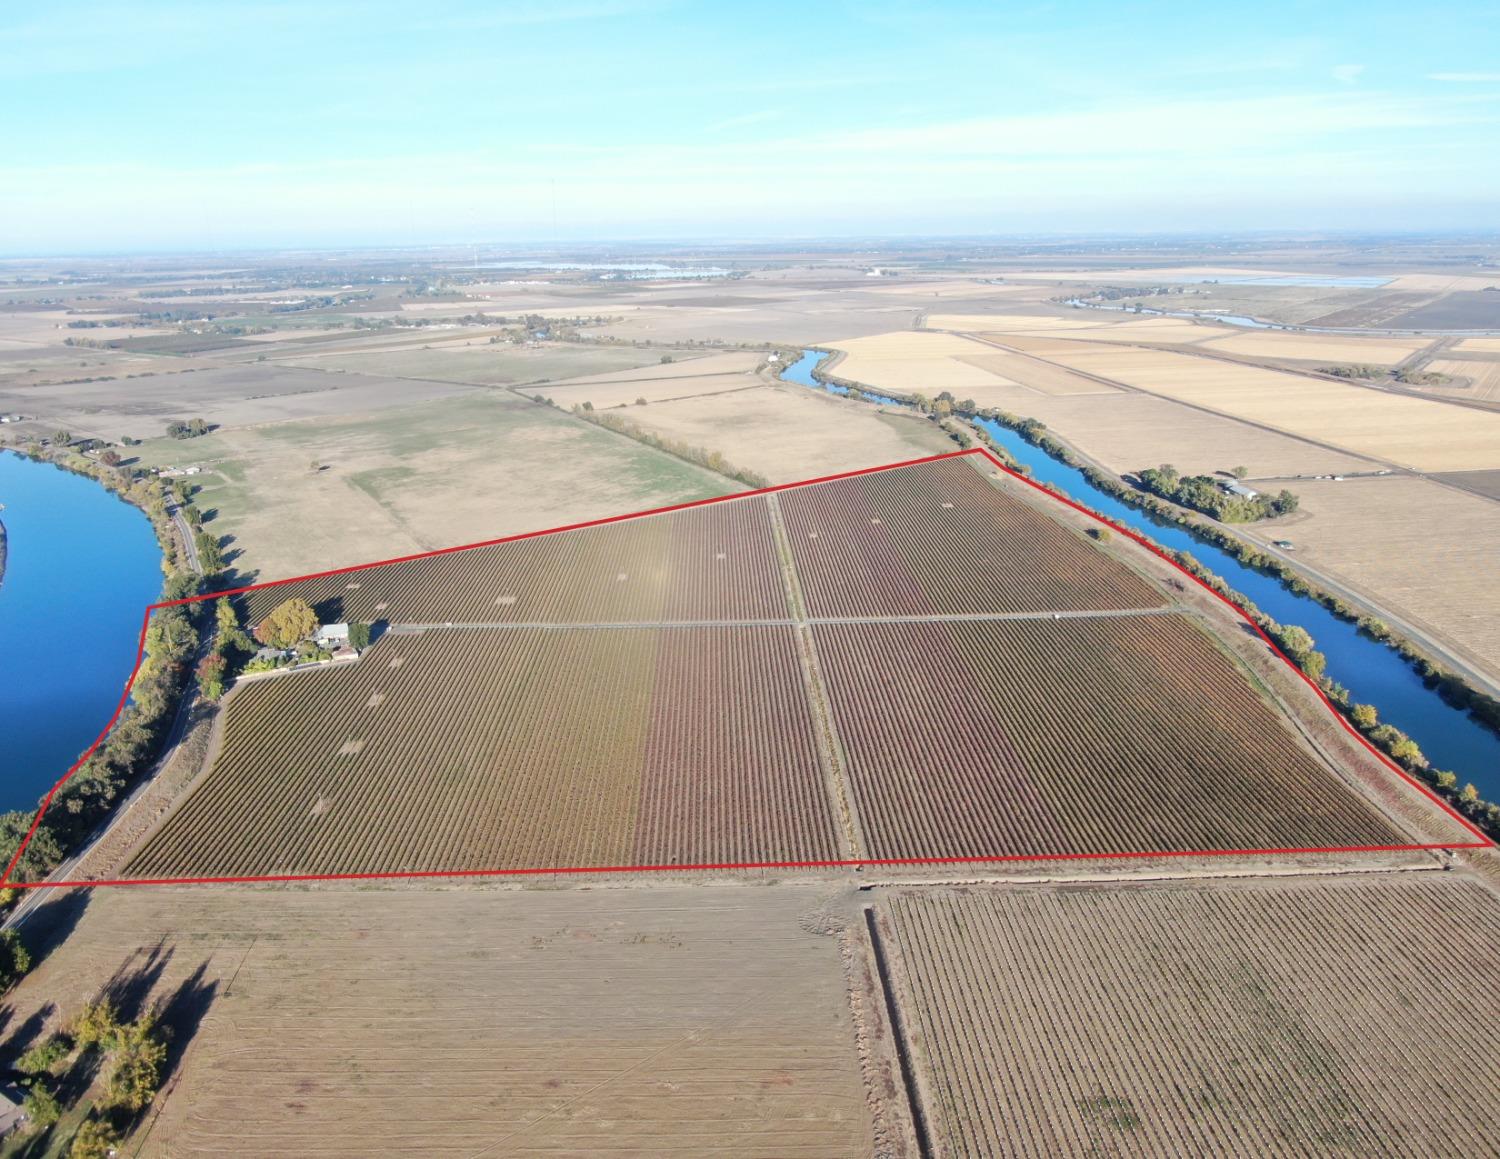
(984, 738)
(512, 747)
(647, 693)
(1315, 1016)
(711, 562)
(941, 540)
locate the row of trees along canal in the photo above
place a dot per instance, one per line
(1295, 641)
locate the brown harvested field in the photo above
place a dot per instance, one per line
(941, 539)
(696, 366)
(1311, 1016)
(1478, 346)
(1425, 552)
(238, 396)
(483, 364)
(790, 433)
(1424, 434)
(1035, 374)
(713, 562)
(513, 748)
(604, 395)
(1480, 377)
(349, 1024)
(1081, 735)
(1482, 482)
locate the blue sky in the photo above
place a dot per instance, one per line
(157, 124)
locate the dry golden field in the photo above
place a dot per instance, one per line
(914, 360)
(790, 433)
(1427, 551)
(1482, 376)
(659, 1021)
(1033, 373)
(1411, 432)
(1319, 348)
(1312, 1016)
(1479, 346)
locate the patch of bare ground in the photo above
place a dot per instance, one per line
(675, 1021)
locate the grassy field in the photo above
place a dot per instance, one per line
(407, 479)
(238, 396)
(1256, 1018)
(669, 1021)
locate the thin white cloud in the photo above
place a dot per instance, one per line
(1465, 78)
(1347, 74)
(745, 119)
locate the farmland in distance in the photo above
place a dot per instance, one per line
(1308, 1016)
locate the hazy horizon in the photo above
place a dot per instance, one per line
(165, 126)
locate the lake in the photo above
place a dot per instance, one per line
(1373, 673)
(81, 567)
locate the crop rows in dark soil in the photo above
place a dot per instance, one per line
(990, 738)
(941, 539)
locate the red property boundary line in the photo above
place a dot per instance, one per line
(1483, 842)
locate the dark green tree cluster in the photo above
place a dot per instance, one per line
(1203, 493)
(191, 429)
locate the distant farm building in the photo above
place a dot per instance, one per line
(1241, 490)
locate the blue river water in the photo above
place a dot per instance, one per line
(1373, 673)
(81, 567)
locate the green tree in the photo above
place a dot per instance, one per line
(61, 438)
(1364, 715)
(41, 1107)
(135, 1068)
(1294, 641)
(45, 1055)
(212, 672)
(288, 623)
(94, 1140)
(1240, 472)
(210, 555)
(96, 1025)
(359, 636)
(15, 959)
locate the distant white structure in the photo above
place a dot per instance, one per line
(1241, 490)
